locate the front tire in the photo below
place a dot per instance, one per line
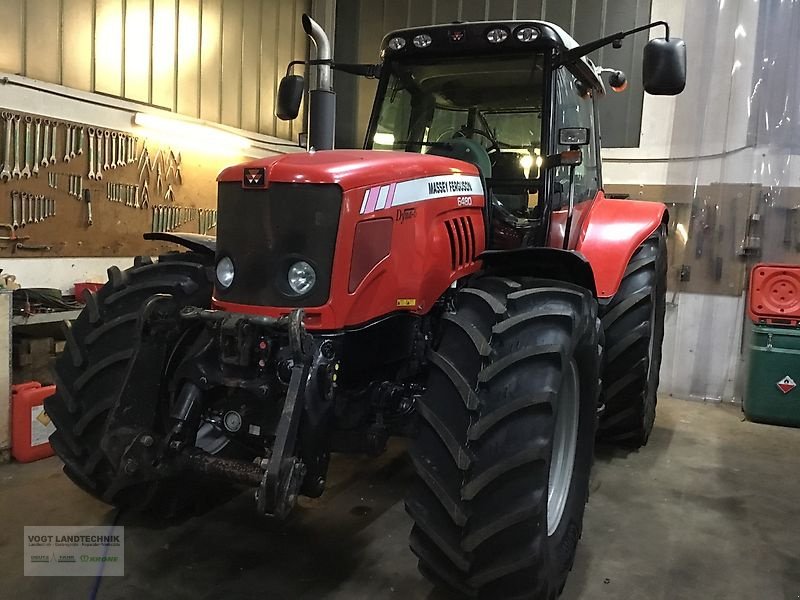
(506, 442)
(89, 372)
(634, 330)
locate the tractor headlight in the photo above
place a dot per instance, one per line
(423, 40)
(225, 272)
(397, 43)
(301, 277)
(527, 34)
(496, 35)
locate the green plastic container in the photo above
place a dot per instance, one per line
(773, 384)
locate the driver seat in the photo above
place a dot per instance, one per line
(470, 151)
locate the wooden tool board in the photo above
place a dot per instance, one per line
(116, 228)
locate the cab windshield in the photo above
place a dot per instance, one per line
(495, 101)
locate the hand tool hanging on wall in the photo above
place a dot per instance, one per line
(98, 172)
(26, 172)
(145, 196)
(23, 206)
(178, 175)
(106, 148)
(15, 209)
(37, 146)
(15, 173)
(80, 140)
(45, 144)
(91, 152)
(74, 148)
(41, 247)
(53, 142)
(5, 174)
(67, 142)
(121, 140)
(87, 196)
(113, 161)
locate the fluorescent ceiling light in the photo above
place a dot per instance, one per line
(181, 133)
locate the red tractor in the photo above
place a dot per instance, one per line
(470, 287)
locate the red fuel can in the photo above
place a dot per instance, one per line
(30, 425)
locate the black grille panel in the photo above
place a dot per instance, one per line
(264, 231)
(461, 234)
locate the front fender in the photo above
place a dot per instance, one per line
(546, 263)
(196, 242)
(610, 235)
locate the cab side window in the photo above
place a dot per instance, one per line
(574, 108)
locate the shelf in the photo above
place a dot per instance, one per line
(38, 319)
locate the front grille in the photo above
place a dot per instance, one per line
(265, 231)
(461, 234)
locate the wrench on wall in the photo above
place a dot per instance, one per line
(91, 151)
(37, 146)
(98, 173)
(53, 140)
(106, 149)
(26, 172)
(67, 143)
(46, 143)
(16, 172)
(5, 174)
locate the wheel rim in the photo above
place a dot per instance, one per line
(651, 344)
(565, 442)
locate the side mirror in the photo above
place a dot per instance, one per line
(573, 136)
(664, 66)
(290, 95)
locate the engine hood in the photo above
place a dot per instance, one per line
(347, 168)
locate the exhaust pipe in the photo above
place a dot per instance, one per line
(322, 100)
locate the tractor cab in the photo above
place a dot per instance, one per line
(496, 95)
(515, 98)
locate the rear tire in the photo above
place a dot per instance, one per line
(93, 365)
(634, 330)
(494, 514)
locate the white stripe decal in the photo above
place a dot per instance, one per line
(420, 190)
(382, 195)
(429, 188)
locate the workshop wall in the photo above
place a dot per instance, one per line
(216, 60)
(180, 176)
(723, 155)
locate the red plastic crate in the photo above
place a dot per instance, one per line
(30, 425)
(775, 294)
(82, 286)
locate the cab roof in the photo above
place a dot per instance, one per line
(471, 38)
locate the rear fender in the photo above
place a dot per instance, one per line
(610, 235)
(547, 263)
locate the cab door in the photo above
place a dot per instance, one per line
(574, 107)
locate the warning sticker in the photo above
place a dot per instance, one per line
(41, 426)
(786, 384)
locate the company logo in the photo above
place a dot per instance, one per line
(254, 177)
(404, 214)
(786, 384)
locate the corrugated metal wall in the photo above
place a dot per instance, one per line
(218, 60)
(585, 20)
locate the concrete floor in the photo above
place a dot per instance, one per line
(709, 510)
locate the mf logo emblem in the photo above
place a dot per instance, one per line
(254, 177)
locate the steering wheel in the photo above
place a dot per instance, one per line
(494, 145)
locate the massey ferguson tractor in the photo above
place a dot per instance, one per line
(462, 281)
